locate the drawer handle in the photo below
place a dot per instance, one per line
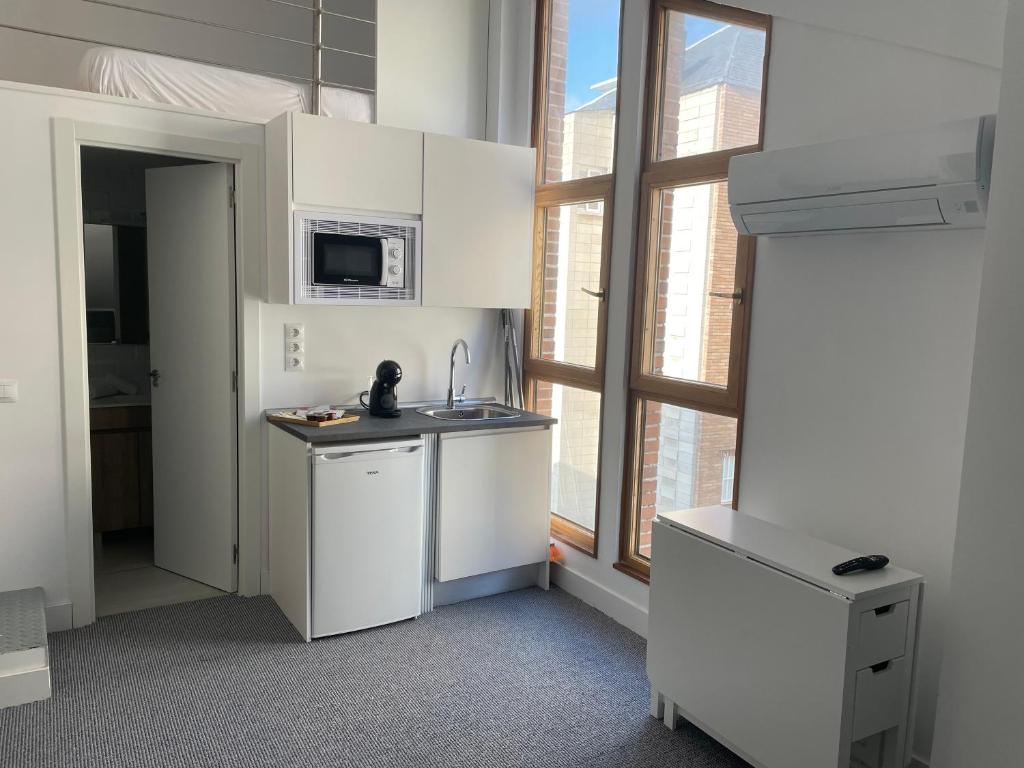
(880, 667)
(884, 609)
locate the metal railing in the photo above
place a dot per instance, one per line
(316, 43)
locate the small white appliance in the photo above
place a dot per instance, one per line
(367, 535)
(343, 258)
(936, 178)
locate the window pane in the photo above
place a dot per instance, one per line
(686, 455)
(582, 79)
(711, 93)
(691, 336)
(572, 262)
(574, 447)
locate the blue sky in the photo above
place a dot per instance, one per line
(594, 46)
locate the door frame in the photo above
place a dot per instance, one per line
(69, 136)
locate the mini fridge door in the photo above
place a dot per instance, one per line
(368, 515)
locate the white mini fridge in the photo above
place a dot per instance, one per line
(367, 535)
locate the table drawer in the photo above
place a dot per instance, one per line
(882, 634)
(880, 700)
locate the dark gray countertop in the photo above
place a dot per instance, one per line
(409, 423)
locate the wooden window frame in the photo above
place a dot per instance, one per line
(656, 176)
(551, 195)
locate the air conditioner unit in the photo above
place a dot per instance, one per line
(930, 179)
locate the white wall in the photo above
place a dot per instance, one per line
(432, 65)
(510, 72)
(26, 57)
(32, 510)
(971, 31)
(981, 717)
(861, 345)
(345, 344)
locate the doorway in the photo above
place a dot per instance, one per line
(160, 291)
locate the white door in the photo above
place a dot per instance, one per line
(494, 501)
(477, 209)
(191, 251)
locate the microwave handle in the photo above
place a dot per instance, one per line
(384, 261)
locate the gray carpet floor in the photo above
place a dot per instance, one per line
(523, 679)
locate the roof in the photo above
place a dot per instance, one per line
(732, 55)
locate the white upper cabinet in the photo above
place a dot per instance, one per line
(475, 200)
(477, 223)
(342, 164)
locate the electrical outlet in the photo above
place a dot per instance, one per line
(294, 347)
(8, 390)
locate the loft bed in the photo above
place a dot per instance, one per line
(168, 80)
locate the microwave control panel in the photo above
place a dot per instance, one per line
(394, 263)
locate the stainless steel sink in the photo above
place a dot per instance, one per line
(469, 412)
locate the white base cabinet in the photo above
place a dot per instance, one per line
(362, 533)
(493, 501)
(754, 640)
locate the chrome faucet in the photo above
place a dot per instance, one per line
(451, 371)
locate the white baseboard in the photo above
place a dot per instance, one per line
(626, 612)
(58, 617)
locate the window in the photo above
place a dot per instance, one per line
(595, 206)
(574, 132)
(728, 476)
(691, 305)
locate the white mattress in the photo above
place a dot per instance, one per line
(163, 79)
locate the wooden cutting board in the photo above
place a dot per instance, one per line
(289, 417)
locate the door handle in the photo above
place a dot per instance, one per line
(736, 296)
(596, 294)
(154, 375)
(328, 458)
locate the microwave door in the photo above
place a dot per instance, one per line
(384, 261)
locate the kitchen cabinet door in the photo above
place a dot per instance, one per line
(360, 166)
(145, 478)
(115, 480)
(493, 501)
(477, 223)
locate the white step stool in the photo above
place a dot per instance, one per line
(24, 661)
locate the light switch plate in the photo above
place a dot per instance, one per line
(8, 390)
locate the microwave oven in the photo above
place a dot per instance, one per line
(353, 259)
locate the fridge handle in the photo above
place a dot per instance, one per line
(327, 458)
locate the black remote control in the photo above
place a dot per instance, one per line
(863, 563)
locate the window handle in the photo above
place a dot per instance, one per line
(596, 294)
(736, 296)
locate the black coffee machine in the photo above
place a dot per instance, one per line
(384, 392)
